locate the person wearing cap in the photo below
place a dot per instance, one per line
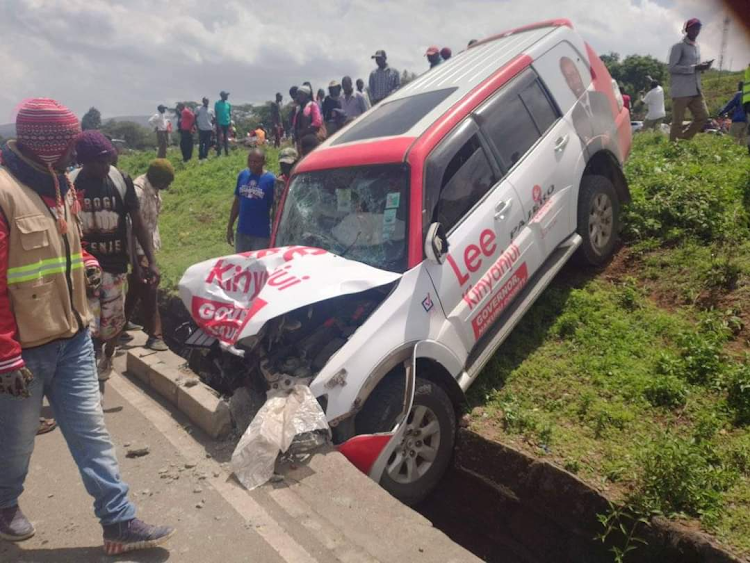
(685, 68)
(45, 343)
(361, 89)
(446, 53)
(158, 177)
(253, 202)
(433, 56)
(333, 115)
(108, 199)
(223, 112)
(160, 123)
(353, 103)
(308, 120)
(384, 80)
(287, 159)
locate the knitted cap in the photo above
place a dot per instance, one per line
(46, 128)
(92, 145)
(160, 172)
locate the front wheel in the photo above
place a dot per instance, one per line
(598, 220)
(424, 454)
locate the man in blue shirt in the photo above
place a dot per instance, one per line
(738, 130)
(253, 201)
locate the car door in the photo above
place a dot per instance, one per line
(464, 194)
(542, 155)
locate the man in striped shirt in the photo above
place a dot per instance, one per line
(384, 80)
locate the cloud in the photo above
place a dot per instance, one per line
(127, 56)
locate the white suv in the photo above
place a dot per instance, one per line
(472, 186)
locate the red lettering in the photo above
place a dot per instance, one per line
(471, 255)
(486, 239)
(217, 273)
(462, 278)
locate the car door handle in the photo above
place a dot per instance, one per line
(502, 208)
(560, 143)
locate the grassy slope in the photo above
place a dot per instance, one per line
(629, 377)
(196, 207)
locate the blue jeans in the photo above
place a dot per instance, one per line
(64, 371)
(247, 243)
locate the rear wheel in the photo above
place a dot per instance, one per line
(598, 220)
(424, 453)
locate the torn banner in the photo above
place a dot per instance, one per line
(232, 297)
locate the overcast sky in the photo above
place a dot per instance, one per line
(127, 56)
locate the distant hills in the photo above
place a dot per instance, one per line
(9, 129)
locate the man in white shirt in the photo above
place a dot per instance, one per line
(654, 101)
(160, 123)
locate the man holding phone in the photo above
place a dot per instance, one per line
(685, 68)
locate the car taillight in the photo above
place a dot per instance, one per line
(618, 96)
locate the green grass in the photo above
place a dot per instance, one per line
(195, 208)
(637, 378)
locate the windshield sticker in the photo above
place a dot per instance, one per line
(344, 200)
(392, 200)
(389, 217)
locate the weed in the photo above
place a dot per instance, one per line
(679, 476)
(702, 357)
(621, 522)
(738, 394)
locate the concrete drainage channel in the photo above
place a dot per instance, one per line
(497, 502)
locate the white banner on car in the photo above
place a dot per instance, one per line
(232, 297)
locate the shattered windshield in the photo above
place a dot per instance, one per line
(358, 213)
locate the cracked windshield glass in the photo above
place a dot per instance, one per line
(357, 213)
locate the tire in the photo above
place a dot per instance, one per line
(416, 468)
(598, 220)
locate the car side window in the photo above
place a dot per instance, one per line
(467, 178)
(539, 105)
(517, 118)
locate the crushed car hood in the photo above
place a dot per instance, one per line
(232, 297)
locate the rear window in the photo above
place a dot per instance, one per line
(393, 118)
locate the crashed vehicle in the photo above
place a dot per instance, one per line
(411, 242)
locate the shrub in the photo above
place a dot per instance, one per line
(666, 391)
(702, 358)
(680, 476)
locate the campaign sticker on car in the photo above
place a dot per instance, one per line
(427, 303)
(392, 200)
(500, 300)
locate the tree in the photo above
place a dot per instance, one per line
(134, 135)
(407, 77)
(92, 119)
(632, 73)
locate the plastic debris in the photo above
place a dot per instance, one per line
(280, 419)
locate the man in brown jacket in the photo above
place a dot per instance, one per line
(45, 346)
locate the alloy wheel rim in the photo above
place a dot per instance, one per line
(418, 449)
(601, 217)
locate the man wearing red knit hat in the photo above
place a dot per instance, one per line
(685, 68)
(45, 346)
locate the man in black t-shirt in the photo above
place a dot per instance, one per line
(107, 198)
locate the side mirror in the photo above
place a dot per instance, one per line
(436, 243)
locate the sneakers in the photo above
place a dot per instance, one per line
(133, 326)
(125, 337)
(156, 344)
(14, 526)
(133, 535)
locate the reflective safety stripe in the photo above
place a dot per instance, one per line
(43, 268)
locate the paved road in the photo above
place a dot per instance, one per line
(324, 512)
